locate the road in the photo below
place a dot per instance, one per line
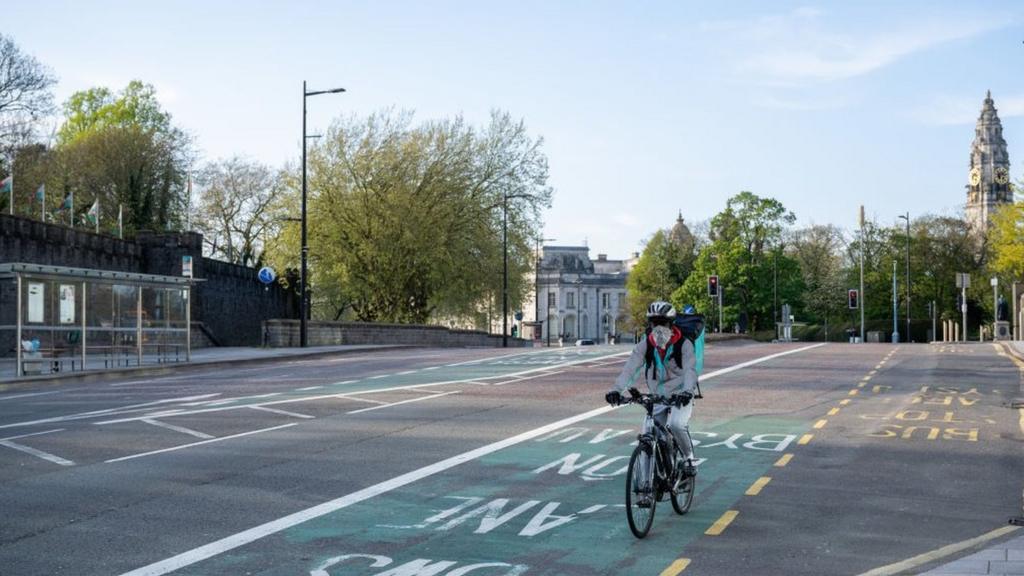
(815, 459)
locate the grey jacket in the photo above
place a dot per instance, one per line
(677, 380)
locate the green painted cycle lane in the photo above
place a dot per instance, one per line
(550, 505)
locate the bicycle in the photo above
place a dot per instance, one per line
(647, 485)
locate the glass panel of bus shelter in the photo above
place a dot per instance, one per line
(124, 315)
(52, 324)
(101, 335)
(177, 300)
(158, 317)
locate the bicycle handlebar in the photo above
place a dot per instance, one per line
(674, 400)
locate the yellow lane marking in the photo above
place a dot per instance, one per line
(861, 385)
(866, 378)
(820, 424)
(805, 439)
(833, 412)
(854, 392)
(873, 372)
(784, 460)
(756, 487)
(676, 567)
(911, 563)
(722, 523)
(844, 401)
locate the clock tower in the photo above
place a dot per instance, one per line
(989, 174)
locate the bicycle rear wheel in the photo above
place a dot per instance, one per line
(640, 497)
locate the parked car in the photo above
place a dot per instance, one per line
(585, 342)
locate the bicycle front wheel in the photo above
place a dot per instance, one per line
(640, 497)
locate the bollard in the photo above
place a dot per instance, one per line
(956, 331)
(945, 329)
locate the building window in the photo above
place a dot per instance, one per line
(551, 300)
(570, 301)
(585, 300)
(606, 300)
(622, 300)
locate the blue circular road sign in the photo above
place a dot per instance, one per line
(267, 275)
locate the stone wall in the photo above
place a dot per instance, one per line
(228, 300)
(284, 333)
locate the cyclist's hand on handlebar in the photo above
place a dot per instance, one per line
(635, 393)
(681, 399)
(614, 398)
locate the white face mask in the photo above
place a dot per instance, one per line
(662, 335)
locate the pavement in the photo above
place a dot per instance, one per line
(201, 357)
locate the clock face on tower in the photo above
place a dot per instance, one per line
(975, 177)
(1002, 175)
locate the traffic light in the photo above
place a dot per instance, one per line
(852, 298)
(713, 285)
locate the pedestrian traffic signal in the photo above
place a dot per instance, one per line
(713, 285)
(853, 300)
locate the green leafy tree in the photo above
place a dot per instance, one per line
(747, 253)
(818, 250)
(122, 149)
(406, 220)
(666, 262)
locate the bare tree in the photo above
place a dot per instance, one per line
(25, 94)
(233, 213)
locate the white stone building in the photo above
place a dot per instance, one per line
(576, 297)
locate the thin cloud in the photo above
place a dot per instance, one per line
(797, 48)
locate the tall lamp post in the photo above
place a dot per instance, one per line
(907, 218)
(303, 293)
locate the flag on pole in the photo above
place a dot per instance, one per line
(7, 185)
(41, 196)
(69, 205)
(120, 221)
(93, 215)
(188, 209)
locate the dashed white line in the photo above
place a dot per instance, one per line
(181, 429)
(406, 373)
(378, 377)
(183, 446)
(307, 388)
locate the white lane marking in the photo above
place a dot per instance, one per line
(431, 367)
(308, 388)
(32, 434)
(358, 399)
(346, 382)
(12, 397)
(523, 379)
(217, 547)
(34, 452)
(251, 535)
(380, 390)
(284, 412)
(181, 429)
(109, 411)
(378, 377)
(406, 373)
(183, 446)
(420, 399)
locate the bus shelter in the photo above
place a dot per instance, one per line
(57, 319)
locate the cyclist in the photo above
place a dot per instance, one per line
(667, 360)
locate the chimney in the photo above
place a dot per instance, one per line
(602, 257)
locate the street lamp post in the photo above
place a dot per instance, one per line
(860, 295)
(895, 309)
(907, 218)
(303, 293)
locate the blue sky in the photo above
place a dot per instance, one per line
(646, 108)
